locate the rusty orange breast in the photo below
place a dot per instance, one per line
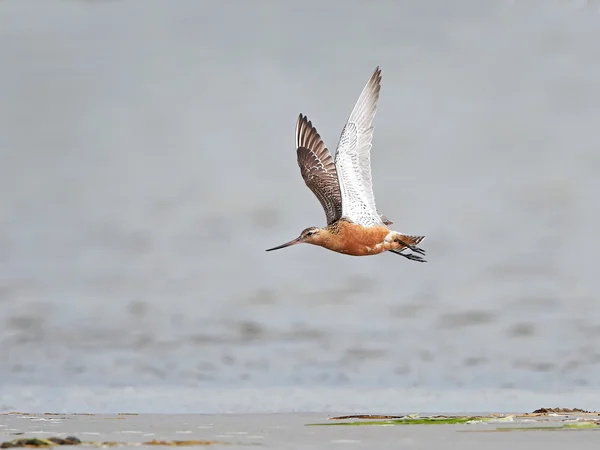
(352, 239)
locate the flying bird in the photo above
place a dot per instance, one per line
(344, 187)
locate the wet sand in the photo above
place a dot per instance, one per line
(294, 430)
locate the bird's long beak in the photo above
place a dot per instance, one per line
(287, 244)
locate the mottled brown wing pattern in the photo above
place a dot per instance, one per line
(318, 169)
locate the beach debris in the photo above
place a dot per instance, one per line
(561, 410)
(39, 442)
(71, 440)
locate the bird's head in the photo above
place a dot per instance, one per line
(310, 235)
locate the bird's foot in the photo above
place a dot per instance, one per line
(410, 256)
(414, 257)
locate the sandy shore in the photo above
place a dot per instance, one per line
(274, 417)
(296, 430)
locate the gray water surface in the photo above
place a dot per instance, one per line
(147, 161)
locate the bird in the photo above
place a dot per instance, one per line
(344, 187)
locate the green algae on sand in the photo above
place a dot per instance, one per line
(545, 421)
(409, 420)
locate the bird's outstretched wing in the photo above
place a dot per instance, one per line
(318, 169)
(353, 158)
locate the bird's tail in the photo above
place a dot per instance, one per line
(411, 242)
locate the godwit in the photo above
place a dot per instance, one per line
(344, 187)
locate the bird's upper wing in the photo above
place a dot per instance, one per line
(353, 158)
(318, 169)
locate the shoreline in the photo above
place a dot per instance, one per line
(323, 400)
(290, 430)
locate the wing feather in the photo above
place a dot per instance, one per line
(353, 158)
(318, 168)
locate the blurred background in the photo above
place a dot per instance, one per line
(148, 160)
